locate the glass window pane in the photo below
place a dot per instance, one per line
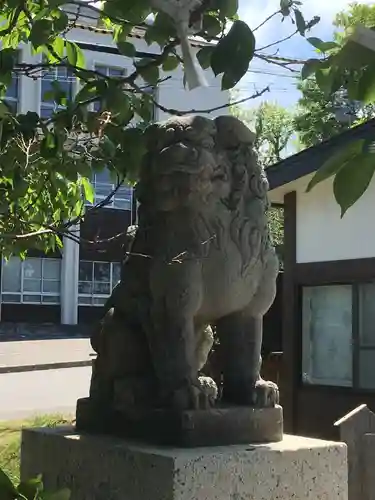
(51, 269)
(85, 287)
(116, 273)
(12, 90)
(99, 301)
(366, 369)
(102, 271)
(102, 288)
(32, 285)
(51, 286)
(51, 299)
(36, 299)
(84, 301)
(32, 268)
(46, 111)
(367, 314)
(327, 335)
(11, 275)
(85, 271)
(103, 176)
(8, 297)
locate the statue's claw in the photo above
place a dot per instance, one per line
(265, 394)
(195, 395)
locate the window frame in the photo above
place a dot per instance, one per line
(52, 105)
(116, 198)
(40, 293)
(92, 296)
(357, 347)
(15, 100)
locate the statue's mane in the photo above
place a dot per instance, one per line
(231, 143)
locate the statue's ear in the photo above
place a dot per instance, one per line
(232, 133)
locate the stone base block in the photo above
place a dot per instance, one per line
(107, 468)
(190, 428)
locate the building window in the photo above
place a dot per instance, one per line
(110, 72)
(103, 186)
(12, 94)
(32, 281)
(96, 281)
(338, 335)
(65, 80)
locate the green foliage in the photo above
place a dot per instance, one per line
(315, 119)
(33, 489)
(339, 81)
(273, 127)
(345, 78)
(46, 164)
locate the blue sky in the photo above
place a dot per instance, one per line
(282, 83)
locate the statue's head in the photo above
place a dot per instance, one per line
(195, 162)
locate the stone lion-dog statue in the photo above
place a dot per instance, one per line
(200, 257)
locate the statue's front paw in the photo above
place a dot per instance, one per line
(198, 395)
(265, 394)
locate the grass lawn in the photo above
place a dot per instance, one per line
(10, 440)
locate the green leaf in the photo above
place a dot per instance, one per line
(8, 58)
(300, 22)
(7, 490)
(325, 78)
(322, 46)
(61, 22)
(352, 180)
(88, 190)
(59, 46)
(211, 25)
(170, 63)
(49, 145)
(285, 6)
(336, 162)
(366, 86)
(41, 32)
(204, 57)
(150, 74)
(4, 110)
(310, 67)
(75, 55)
(232, 55)
(32, 488)
(228, 8)
(126, 48)
(64, 494)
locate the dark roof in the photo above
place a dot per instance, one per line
(310, 160)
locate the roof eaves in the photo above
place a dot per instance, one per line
(310, 160)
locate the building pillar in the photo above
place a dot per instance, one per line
(69, 280)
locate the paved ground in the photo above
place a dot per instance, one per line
(31, 393)
(29, 354)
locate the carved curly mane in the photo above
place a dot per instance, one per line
(194, 164)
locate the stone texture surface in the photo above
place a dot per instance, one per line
(353, 429)
(189, 429)
(105, 468)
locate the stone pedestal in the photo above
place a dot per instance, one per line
(107, 468)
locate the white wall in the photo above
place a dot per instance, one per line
(171, 93)
(321, 233)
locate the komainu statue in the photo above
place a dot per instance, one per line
(200, 267)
